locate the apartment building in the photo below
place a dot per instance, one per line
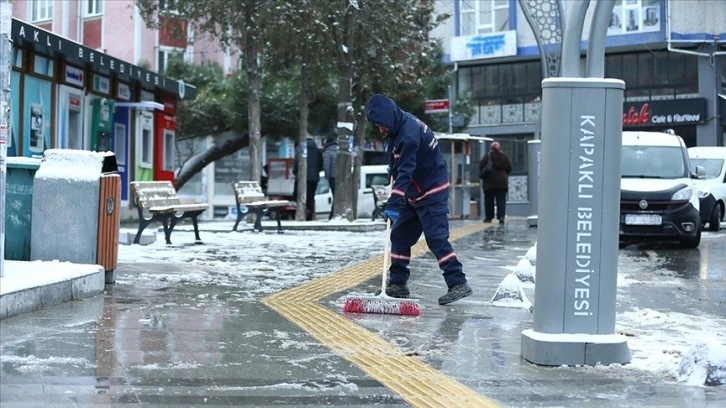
(670, 53)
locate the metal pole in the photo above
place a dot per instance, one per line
(6, 52)
(451, 113)
(571, 39)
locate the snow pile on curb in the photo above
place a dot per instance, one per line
(703, 364)
(510, 292)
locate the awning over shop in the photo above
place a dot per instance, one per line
(47, 43)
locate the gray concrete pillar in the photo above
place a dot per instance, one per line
(577, 240)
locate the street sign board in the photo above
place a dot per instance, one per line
(436, 106)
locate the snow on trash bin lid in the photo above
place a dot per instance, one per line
(22, 162)
(70, 164)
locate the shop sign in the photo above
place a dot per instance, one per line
(101, 84)
(50, 44)
(123, 92)
(74, 76)
(673, 112)
(436, 106)
(480, 46)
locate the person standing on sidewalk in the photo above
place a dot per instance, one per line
(330, 152)
(496, 183)
(419, 198)
(315, 166)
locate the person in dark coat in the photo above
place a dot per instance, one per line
(419, 198)
(495, 185)
(330, 152)
(315, 166)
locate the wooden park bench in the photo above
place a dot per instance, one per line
(157, 201)
(380, 197)
(250, 198)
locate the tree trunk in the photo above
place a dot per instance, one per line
(253, 107)
(346, 185)
(302, 164)
(225, 144)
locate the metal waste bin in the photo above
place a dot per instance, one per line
(109, 218)
(76, 209)
(18, 206)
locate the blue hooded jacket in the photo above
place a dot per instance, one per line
(415, 161)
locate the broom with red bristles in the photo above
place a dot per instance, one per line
(383, 303)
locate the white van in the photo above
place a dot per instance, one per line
(658, 197)
(369, 175)
(712, 188)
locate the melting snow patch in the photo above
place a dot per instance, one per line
(703, 364)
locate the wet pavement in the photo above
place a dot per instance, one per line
(161, 337)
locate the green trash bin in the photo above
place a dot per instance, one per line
(19, 206)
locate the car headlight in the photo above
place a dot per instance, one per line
(703, 193)
(683, 194)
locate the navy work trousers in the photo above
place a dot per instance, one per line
(433, 221)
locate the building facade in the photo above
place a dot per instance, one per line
(670, 53)
(89, 74)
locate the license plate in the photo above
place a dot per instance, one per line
(643, 219)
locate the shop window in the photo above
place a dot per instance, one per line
(660, 68)
(465, 79)
(515, 146)
(675, 68)
(662, 93)
(92, 8)
(519, 77)
(614, 66)
(478, 81)
(491, 78)
(146, 147)
(43, 66)
(484, 16)
(119, 133)
(505, 78)
(18, 58)
(168, 164)
(534, 76)
(645, 69)
(690, 64)
(630, 70)
(40, 10)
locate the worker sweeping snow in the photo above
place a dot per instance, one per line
(419, 198)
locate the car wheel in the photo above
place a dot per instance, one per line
(691, 242)
(714, 223)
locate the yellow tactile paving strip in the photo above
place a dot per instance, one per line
(416, 382)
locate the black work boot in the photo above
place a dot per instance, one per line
(396, 290)
(455, 293)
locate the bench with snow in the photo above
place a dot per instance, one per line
(157, 201)
(250, 198)
(380, 197)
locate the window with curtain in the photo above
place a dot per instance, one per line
(92, 8)
(484, 16)
(40, 10)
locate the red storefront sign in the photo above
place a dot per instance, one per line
(436, 106)
(672, 112)
(634, 118)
